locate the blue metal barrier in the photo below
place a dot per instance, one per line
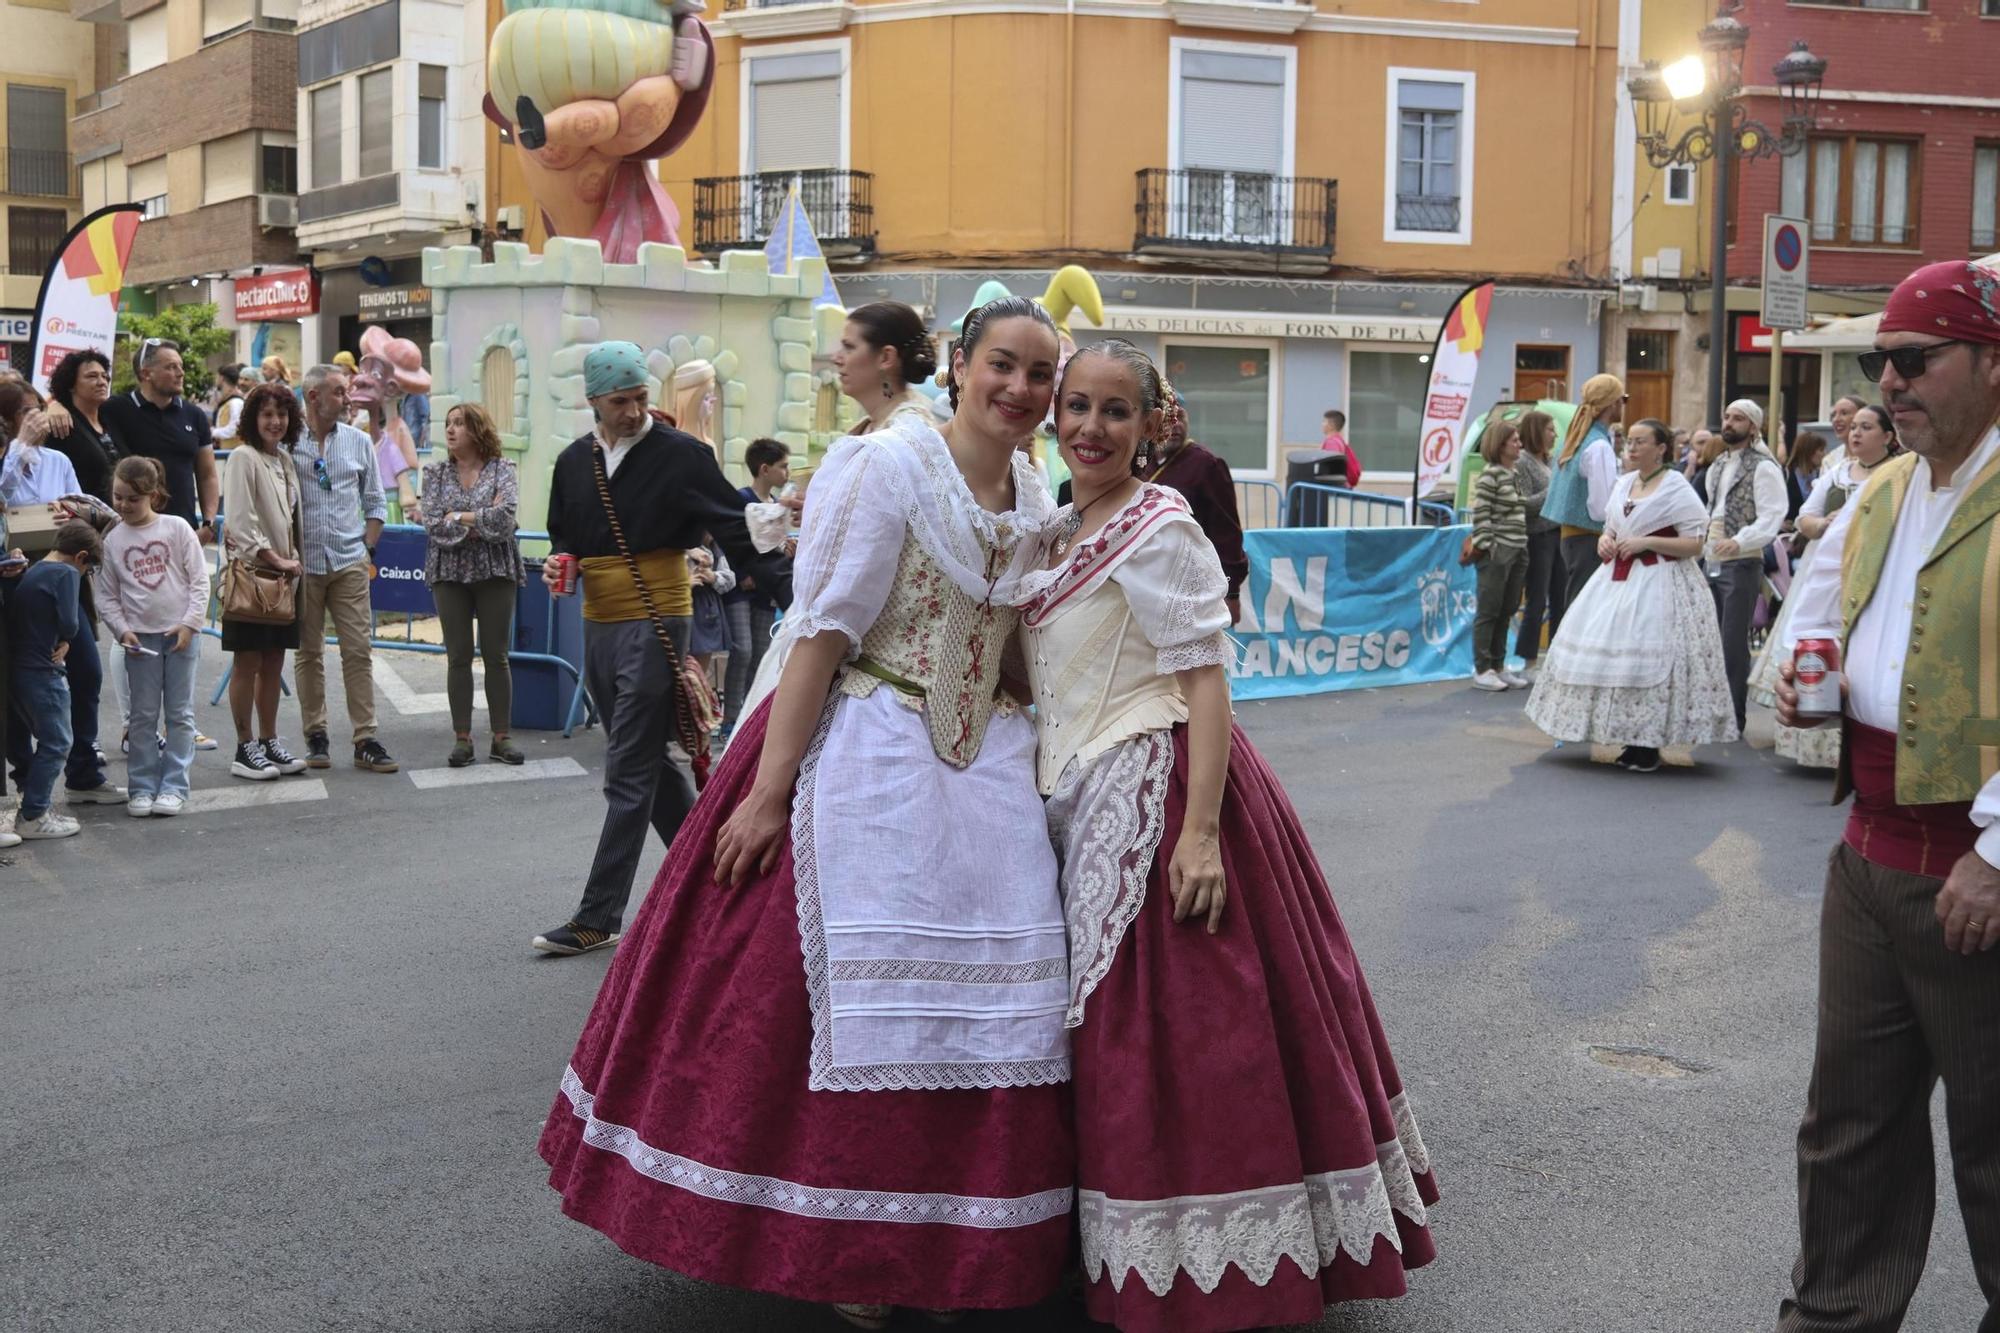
(1260, 504)
(1315, 504)
(580, 705)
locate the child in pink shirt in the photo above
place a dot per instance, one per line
(152, 590)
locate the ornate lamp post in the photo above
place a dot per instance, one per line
(1707, 86)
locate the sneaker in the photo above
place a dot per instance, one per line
(1515, 680)
(9, 838)
(201, 742)
(102, 794)
(50, 825)
(139, 806)
(370, 755)
(168, 804)
(250, 763)
(281, 759)
(506, 751)
(318, 753)
(462, 753)
(1489, 681)
(570, 938)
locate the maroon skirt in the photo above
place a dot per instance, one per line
(1236, 1100)
(685, 1131)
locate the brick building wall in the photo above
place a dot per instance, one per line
(1919, 76)
(245, 82)
(217, 239)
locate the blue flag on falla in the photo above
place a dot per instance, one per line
(792, 239)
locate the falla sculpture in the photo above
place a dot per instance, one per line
(594, 93)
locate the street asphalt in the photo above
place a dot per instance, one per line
(281, 1064)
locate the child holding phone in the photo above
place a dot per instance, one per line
(153, 593)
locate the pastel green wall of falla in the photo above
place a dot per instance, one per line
(758, 329)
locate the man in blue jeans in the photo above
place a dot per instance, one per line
(44, 620)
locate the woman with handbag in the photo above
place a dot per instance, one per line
(1499, 545)
(260, 573)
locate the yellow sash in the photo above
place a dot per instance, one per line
(609, 593)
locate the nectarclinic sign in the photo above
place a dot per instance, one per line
(288, 295)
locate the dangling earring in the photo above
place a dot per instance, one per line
(888, 390)
(1144, 458)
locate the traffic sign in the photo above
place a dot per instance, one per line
(1786, 252)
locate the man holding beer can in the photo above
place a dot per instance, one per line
(625, 503)
(1908, 972)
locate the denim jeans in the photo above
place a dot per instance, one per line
(43, 697)
(749, 640)
(84, 670)
(162, 704)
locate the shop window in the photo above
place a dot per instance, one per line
(1228, 393)
(377, 95)
(1385, 404)
(323, 105)
(430, 116)
(1857, 191)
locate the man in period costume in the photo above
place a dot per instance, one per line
(1746, 508)
(668, 493)
(1909, 577)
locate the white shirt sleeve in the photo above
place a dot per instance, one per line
(1986, 814)
(855, 525)
(1772, 501)
(1175, 586)
(1600, 474)
(725, 577)
(1815, 595)
(51, 477)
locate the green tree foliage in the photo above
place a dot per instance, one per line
(191, 327)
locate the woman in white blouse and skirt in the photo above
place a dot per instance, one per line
(1245, 1151)
(1638, 659)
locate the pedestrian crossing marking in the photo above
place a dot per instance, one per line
(282, 791)
(484, 772)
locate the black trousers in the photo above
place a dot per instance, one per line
(1897, 1012)
(1548, 593)
(1736, 587)
(627, 672)
(1579, 560)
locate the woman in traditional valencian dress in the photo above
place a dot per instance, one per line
(828, 1061)
(1871, 441)
(1246, 1154)
(1638, 659)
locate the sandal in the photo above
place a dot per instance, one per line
(866, 1316)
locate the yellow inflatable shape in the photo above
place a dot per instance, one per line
(557, 56)
(1072, 288)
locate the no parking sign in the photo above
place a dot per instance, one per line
(1785, 284)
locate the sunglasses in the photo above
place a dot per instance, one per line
(319, 474)
(1910, 362)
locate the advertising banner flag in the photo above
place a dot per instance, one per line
(1448, 399)
(78, 306)
(1352, 608)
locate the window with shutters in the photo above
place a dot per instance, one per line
(795, 103)
(1429, 157)
(430, 116)
(323, 109)
(1230, 141)
(1985, 198)
(376, 93)
(1856, 191)
(37, 141)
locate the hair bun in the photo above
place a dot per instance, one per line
(919, 360)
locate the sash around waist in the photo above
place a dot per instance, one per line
(609, 594)
(1917, 839)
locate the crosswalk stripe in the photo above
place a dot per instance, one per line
(483, 772)
(283, 791)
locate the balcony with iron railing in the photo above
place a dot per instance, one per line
(739, 212)
(40, 173)
(1245, 218)
(1427, 212)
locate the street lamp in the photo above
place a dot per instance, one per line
(1708, 85)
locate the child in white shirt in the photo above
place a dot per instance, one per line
(153, 592)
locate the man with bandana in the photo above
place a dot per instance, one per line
(668, 492)
(1746, 508)
(1908, 973)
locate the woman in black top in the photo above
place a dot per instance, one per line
(81, 382)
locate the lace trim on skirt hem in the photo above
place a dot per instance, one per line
(1310, 1222)
(786, 1196)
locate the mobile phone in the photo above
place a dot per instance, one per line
(141, 649)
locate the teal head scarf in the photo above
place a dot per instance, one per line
(613, 367)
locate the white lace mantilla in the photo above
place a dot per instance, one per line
(1309, 1222)
(789, 1196)
(1106, 819)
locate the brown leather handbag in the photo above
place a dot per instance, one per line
(256, 595)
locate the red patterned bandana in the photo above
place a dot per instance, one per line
(1954, 299)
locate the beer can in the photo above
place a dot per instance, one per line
(566, 567)
(1816, 672)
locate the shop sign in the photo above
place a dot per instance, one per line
(288, 295)
(1230, 324)
(389, 304)
(16, 326)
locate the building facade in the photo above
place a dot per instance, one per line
(1277, 199)
(194, 121)
(389, 94)
(50, 67)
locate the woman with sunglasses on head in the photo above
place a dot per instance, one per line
(1212, 984)
(861, 911)
(260, 491)
(1871, 442)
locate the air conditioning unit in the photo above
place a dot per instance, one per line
(277, 210)
(1670, 261)
(514, 218)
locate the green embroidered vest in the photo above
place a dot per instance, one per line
(1948, 725)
